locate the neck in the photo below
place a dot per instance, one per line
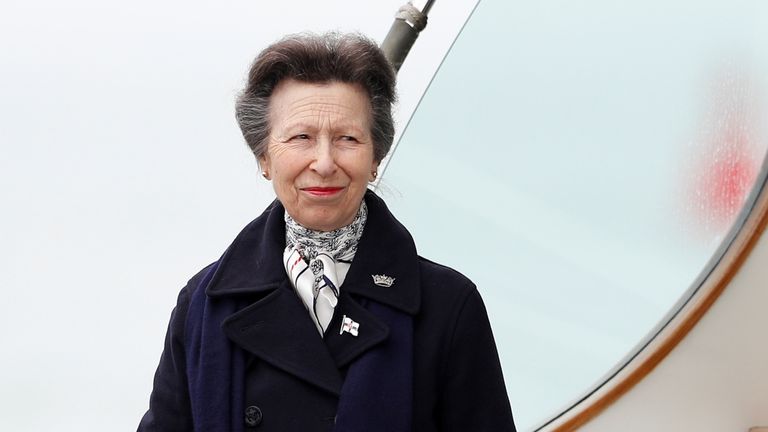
(338, 243)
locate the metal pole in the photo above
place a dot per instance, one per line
(410, 20)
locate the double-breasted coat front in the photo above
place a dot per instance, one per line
(294, 376)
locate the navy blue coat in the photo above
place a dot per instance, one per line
(294, 377)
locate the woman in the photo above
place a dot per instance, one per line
(321, 316)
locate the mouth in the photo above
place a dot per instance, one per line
(322, 191)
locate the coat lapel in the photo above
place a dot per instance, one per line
(275, 327)
(344, 346)
(386, 248)
(278, 330)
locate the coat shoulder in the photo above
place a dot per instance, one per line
(179, 315)
(444, 293)
(194, 282)
(435, 276)
(192, 285)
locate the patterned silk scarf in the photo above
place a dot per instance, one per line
(317, 262)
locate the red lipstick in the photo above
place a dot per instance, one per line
(322, 191)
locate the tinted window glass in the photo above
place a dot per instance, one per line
(582, 162)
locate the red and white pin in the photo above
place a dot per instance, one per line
(349, 326)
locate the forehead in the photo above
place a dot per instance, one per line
(296, 101)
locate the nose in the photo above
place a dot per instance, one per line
(325, 162)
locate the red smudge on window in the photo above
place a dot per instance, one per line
(727, 155)
(726, 183)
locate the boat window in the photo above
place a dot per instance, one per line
(582, 162)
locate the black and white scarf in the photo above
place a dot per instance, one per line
(317, 263)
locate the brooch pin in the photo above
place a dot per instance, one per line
(383, 280)
(349, 326)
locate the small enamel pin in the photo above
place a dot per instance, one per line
(383, 280)
(349, 326)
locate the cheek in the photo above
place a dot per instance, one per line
(284, 180)
(282, 165)
(363, 164)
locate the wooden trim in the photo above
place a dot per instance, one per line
(677, 328)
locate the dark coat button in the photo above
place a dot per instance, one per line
(252, 416)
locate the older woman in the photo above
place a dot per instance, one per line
(321, 316)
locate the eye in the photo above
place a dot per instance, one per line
(301, 137)
(348, 138)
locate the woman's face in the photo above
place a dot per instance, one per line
(320, 152)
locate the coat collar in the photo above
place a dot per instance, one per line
(253, 263)
(277, 328)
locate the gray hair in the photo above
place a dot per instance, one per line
(330, 57)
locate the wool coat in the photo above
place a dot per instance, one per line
(294, 376)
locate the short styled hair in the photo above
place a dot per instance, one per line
(312, 58)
